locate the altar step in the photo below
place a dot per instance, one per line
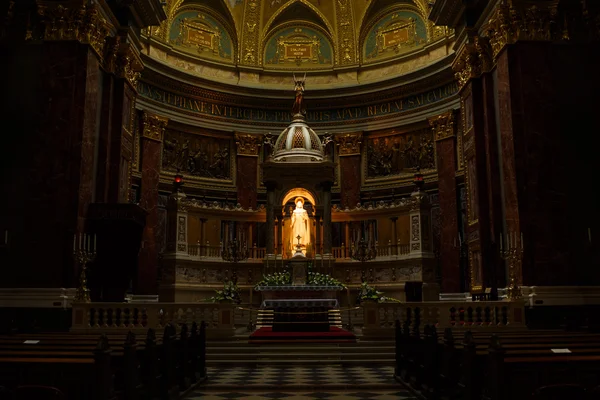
(265, 318)
(360, 353)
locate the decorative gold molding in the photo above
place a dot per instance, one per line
(249, 53)
(443, 126)
(473, 59)
(83, 24)
(247, 145)
(128, 65)
(346, 39)
(515, 20)
(154, 126)
(349, 143)
(466, 65)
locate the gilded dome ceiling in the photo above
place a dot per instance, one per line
(259, 42)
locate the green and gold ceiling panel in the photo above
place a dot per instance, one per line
(393, 34)
(298, 46)
(195, 31)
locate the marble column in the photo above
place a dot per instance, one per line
(349, 159)
(270, 242)
(326, 197)
(248, 147)
(279, 234)
(477, 229)
(444, 132)
(202, 237)
(153, 127)
(318, 239)
(394, 236)
(347, 243)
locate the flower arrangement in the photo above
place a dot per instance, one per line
(316, 278)
(368, 293)
(276, 279)
(230, 293)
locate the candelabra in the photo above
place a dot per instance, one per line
(514, 255)
(83, 253)
(235, 252)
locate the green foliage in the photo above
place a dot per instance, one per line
(316, 278)
(368, 293)
(276, 279)
(230, 292)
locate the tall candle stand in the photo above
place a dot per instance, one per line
(83, 257)
(514, 256)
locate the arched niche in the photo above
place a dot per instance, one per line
(202, 34)
(392, 33)
(293, 46)
(298, 192)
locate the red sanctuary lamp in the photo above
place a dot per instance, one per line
(418, 179)
(177, 181)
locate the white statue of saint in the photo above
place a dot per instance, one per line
(300, 226)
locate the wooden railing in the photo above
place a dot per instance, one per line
(118, 317)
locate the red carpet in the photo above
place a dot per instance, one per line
(335, 335)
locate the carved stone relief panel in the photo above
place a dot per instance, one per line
(197, 155)
(399, 154)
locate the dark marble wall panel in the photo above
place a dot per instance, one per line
(350, 181)
(449, 250)
(148, 259)
(54, 92)
(540, 108)
(247, 178)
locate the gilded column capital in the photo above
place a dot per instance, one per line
(514, 20)
(82, 23)
(247, 145)
(443, 125)
(128, 64)
(467, 64)
(349, 143)
(154, 127)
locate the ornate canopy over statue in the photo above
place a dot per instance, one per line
(298, 142)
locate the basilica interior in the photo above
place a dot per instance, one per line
(299, 199)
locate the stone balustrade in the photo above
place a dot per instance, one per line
(376, 319)
(379, 318)
(118, 317)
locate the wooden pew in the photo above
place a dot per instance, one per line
(439, 367)
(147, 370)
(87, 377)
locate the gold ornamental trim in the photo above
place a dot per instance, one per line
(128, 65)
(443, 126)
(248, 145)
(83, 24)
(515, 20)
(154, 127)
(349, 143)
(249, 54)
(346, 33)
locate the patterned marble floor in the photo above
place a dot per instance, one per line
(331, 382)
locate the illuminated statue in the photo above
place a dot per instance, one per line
(299, 106)
(300, 226)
